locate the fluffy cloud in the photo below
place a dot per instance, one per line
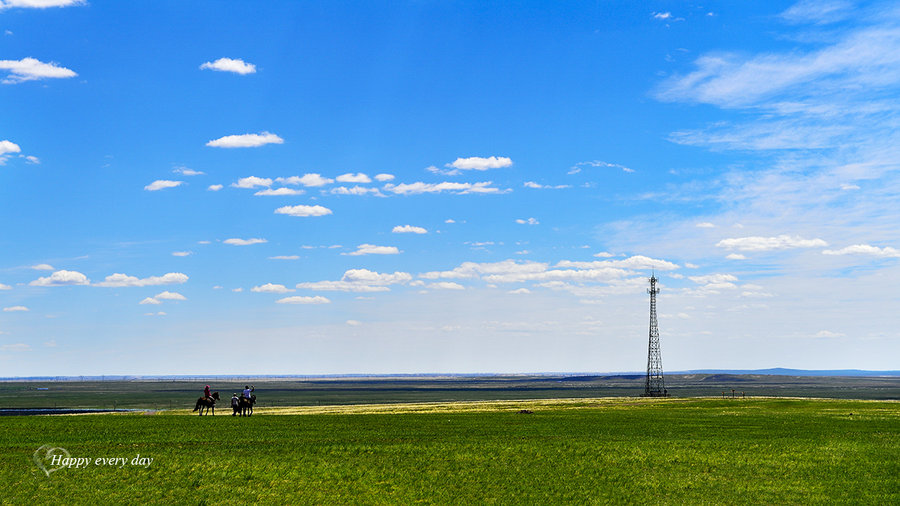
(184, 171)
(446, 285)
(30, 69)
(158, 298)
(285, 257)
(42, 267)
(245, 140)
(12, 309)
(769, 243)
(162, 184)
(38, 4)
(598, 163)
(181, 253)
(318, 299)
(122, 280)
(303, 211)
(865, 249)
(308, 180)
(356, 190)
(252, 182)
(279, 192)
(529, 221)
(537, 186)
(384, 177)
(446, 186)
(270, 288)
(359, 177)
(479, 163)
(244, 242)
(371, 249)
(360, 280)
(62, 278)
(7, 148)
(5, 287)
(237, 66)
(214, 187)
(409, 229)
(633, 262)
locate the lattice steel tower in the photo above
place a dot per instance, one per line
(655, 385)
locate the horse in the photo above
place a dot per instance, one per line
(245, 406)
(207, 402)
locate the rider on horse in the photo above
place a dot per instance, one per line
(206, 394)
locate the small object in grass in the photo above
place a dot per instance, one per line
(525, 412)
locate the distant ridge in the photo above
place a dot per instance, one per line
(776, 371)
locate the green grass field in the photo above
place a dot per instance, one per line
(626, 450)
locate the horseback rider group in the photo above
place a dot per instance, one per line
(242, 404)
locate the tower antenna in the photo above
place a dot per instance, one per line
(655, 384)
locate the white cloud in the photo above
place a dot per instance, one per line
(735, 256)
(359, 177)
(356, 190)
(849, 187)
(271, 288)
(705, 224)
(245, 140)
(371, 249)
(308, 180)
(33, 160)
(184, 171)
(354, 323)
(662, 15)
(214, 187)
(604, 254)
(118, 280)
(532, 184)
(62, 278)
(244, 242)
(529, 221)
(7, 148)
(38, 4)
(159, 313)
(597, 163)
(633, 262)
(459, 188)
(30, 69)
(479, 163)
(446, 285)
(278, 192)
(162, 184)
(408, 229)
(285, 257)
(384, 177)
(780, 242)
(252, 182)
(303, 211)
(865, 249)
(450, 220)
(520, 291)
(360, 280)
(181, 253)
(42, 267)
(827, 333)
(158, 298)
(713, 278)
(318, 299)
(12, 309)
(818, 11)
(237, 66)
(5, 287)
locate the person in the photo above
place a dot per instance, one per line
(247, 391)
(235, 403)
(206, 394)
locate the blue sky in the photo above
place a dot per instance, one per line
(404, 187)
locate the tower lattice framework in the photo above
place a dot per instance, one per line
(655, 384)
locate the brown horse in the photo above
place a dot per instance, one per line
(207, 402)
(245, 406)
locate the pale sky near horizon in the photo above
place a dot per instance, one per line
(447, 187)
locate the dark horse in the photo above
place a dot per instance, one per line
(207, 402)
(244, 406)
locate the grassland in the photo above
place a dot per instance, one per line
(626, 450)
(340, 391)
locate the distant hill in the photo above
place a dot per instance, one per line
(780, 371)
